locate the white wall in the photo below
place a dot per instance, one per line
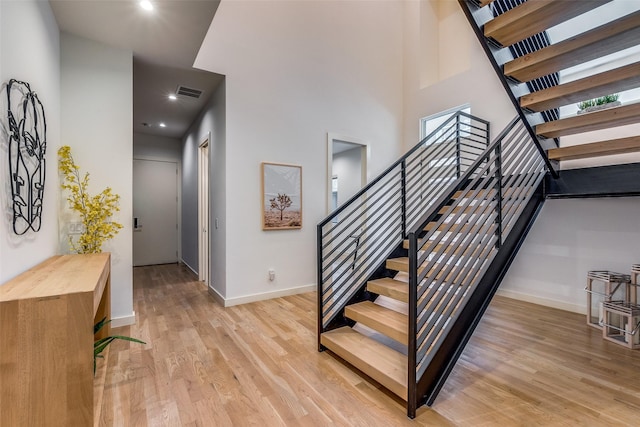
(445, 67)
(295, 71)
(570, 238)
(97, 111)
(29, 51)
(154, 147)
(211, 124)
(347, 166)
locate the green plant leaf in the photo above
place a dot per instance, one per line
(100, 325)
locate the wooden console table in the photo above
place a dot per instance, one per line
(46, 340)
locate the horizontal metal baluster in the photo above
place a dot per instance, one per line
(444, 316)
(365, 269)
(364, 245)
(394, 180)
(385, 216)
(362, 225)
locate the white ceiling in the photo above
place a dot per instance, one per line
(164, 43)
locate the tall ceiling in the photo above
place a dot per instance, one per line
(164, 42)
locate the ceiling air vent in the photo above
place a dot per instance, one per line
(189, 91)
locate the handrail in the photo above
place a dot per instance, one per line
(431, 213)
(468, 224)
(397, 163)
(382, 212)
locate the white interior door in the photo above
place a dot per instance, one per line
(155, 212)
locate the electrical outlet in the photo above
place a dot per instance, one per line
(272, 275)
(75, 228)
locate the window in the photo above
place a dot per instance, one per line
(431, 123)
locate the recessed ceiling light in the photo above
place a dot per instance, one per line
(146, 5)
(173, 97)
(162, 125)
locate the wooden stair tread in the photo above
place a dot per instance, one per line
(484, 2)
(612, 81)
(608, 38)
(391, 288)
(382, 363)
(388, 322)
(451, 228)
(535, 16)
(595, 149)
(402, 264)
(618, 116)
(482, 194)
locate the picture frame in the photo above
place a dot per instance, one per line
(281, 196)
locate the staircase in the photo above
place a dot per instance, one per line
(505, 29)
(408, 265)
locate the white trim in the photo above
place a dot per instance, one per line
(229, 302)
(561, 305)
(364, 160)
(204, 210)
(189, 267)
(117, 322)
(216, 296)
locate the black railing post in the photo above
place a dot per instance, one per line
(458, 151)
(412, 384)
(319, 286)
(498, 173)
(403, 166)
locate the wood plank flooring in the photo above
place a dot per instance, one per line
(257, 364)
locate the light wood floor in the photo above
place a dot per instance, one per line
(257, 364)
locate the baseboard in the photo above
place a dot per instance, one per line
(116, 322)
(189, 267)
(229, 302)
(216, 296)
(575, 308)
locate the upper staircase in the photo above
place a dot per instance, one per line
(510, 30)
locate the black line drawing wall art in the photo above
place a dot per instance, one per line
(27, 148)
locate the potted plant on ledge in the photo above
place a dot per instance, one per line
(597, 104)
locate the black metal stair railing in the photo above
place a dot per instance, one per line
(356, 239)
(447, 263)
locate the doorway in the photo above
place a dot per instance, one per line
(346, 168)
(203, 212)
(155, 212)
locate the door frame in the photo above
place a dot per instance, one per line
(365, 153)
(204, 229)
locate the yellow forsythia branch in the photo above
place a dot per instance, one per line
(95, 211)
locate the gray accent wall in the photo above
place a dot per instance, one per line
(212, 120)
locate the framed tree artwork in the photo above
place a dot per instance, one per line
(281, 196)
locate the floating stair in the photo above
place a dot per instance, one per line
(386, 321)
(604, 119)
(533, 17)
(596, 149)
(382, 363)
(612, 81)
(609, 38)
(390, 288)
